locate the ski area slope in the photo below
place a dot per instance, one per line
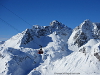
(76, 63)
(79, 62)
(65, 51)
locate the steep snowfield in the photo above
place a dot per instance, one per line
(66, 52)
(18, 62)
(83, 33)
(78, 63)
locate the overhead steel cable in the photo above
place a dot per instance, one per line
(17, 30)
(16, 15)
(10, 25)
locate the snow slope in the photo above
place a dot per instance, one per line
(66, 52)
(78, 63)
(83, 33)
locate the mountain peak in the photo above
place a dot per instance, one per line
(86, 25)
(57, 25)
(87, 20)
(55, 22)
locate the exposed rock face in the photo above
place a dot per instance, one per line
(38, 31)
(64, 51)
(27, 37)
(84, 32)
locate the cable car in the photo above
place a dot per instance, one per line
(40, 51)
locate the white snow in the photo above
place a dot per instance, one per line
(66, 52)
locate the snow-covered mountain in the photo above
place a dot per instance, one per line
(66, 51)
(83, 33)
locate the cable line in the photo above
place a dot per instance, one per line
(17, 30)
(15, 14)
(10, 25)
(13, 26)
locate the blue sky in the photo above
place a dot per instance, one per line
(42, 12)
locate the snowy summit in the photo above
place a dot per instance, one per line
(66, 51)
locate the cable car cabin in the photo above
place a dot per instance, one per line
(40, 51)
